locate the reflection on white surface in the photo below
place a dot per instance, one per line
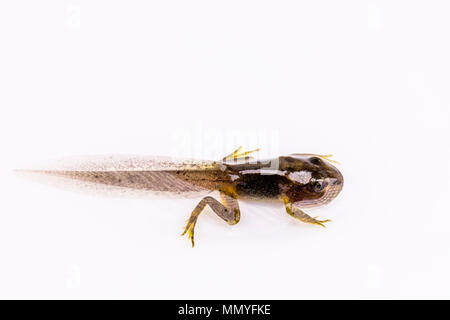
(367, 84)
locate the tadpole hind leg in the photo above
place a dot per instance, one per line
(302, 216)
(227, 209)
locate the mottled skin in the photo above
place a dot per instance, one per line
(298, 180)
(269, 179)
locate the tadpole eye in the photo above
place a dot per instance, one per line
(315, 160)
(317, 185)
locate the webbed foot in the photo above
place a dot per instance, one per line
(320, 222)
(239, 154)
(190, 230)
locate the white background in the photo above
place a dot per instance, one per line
(366, 80)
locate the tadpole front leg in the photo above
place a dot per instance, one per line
(298, 214)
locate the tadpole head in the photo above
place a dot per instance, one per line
(314, 179)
